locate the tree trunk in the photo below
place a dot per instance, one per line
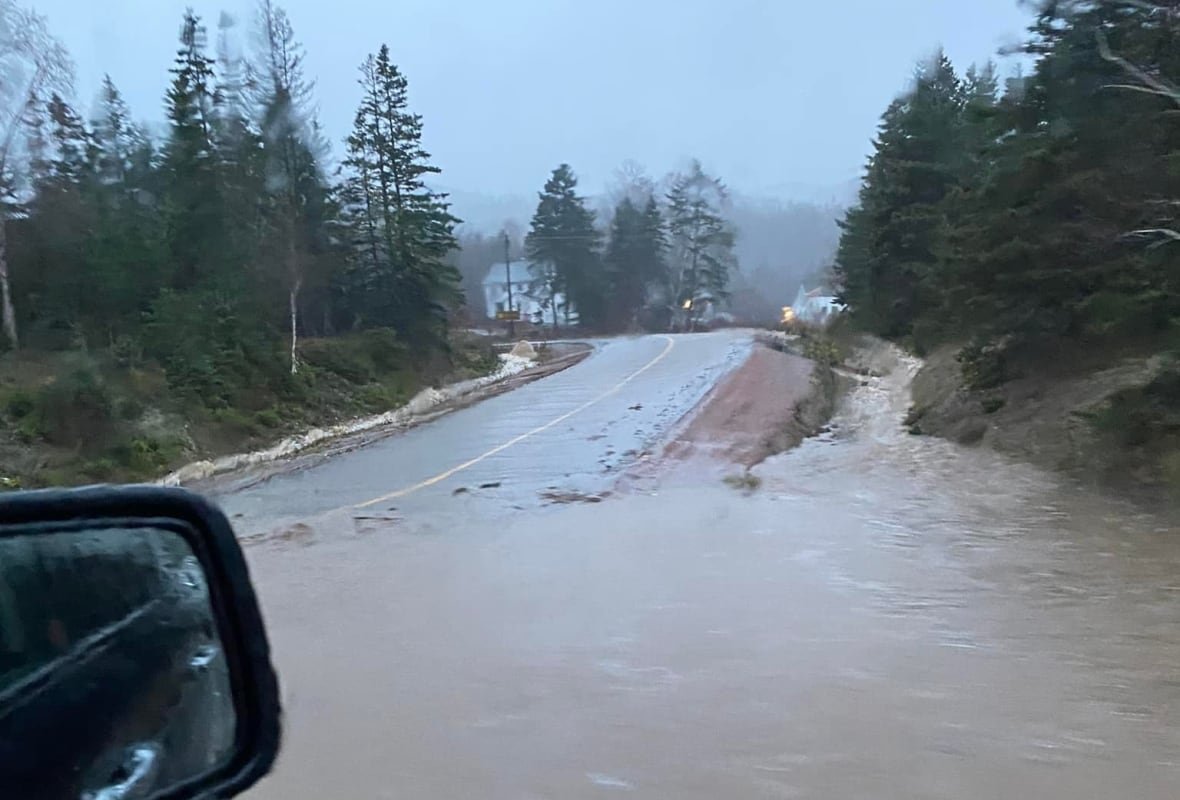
(8, 313)
(293, 299)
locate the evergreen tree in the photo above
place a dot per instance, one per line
(194, 215)
(701, 244)
(891, 265)
(404, 231)
(1039, 215)
(635, 260)
(115, 135)
(563, 246)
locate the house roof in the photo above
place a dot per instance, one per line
(521, 273)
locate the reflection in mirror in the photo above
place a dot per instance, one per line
(113, 684)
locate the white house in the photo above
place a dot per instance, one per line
(815, 307)
(528, 292)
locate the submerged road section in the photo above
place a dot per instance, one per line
(872, 616)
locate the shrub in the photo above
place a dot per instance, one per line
(821, 351)
(146, 455)
(984, 365)
(384, 349)
(212, 347)
(358, 358)
(378, 397)
(992, 404)
(75, 409)
(128, 409)
(476, 356)
(269, 418)
(235, 422)
(19, 404)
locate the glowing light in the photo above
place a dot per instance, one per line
(687, 305)
(788, 315)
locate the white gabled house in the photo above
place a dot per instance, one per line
(815, 307)
(529, 293)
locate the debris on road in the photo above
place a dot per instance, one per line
(566, 497)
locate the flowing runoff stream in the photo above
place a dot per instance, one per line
(888, 616)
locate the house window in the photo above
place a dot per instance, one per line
(499, 307)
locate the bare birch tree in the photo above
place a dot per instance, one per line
(288, 133)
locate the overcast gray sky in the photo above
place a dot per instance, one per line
(777, 96)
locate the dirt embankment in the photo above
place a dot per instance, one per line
(768, 404)
(1088, 416)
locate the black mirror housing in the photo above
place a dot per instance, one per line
(111, 528)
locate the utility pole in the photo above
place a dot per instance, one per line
(508, 274)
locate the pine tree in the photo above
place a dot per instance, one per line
(634, 260)
(404, 231)
(114, 135)
(891, 258)
(195, 219)
(61, 223)
(701, 243)
(563, 247)
(1025, 218)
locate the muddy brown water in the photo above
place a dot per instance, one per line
(887, 617)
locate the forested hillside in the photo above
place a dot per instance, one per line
(1032, 220)
(223, 282)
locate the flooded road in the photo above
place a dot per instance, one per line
(886, 617)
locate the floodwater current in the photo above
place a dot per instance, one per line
(887, 616)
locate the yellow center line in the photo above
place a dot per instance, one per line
(442, 476)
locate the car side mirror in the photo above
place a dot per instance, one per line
(133, 659)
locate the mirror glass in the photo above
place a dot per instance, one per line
(113, 683)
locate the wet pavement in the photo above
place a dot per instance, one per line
(571, 432)
(886, 617)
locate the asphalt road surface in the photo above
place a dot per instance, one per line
(571, 432)
(887, 616)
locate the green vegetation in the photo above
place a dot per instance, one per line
(662, 267)
(66, 418)
(217, 288)
(1038, 220)
(1040, 213)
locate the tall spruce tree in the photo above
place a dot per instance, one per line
(194, 200)
(635, 260)
(563, 246)
(403, 231)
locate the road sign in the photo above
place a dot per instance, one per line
(508, 316)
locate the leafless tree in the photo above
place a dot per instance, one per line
(32, 62)
(288, 128)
